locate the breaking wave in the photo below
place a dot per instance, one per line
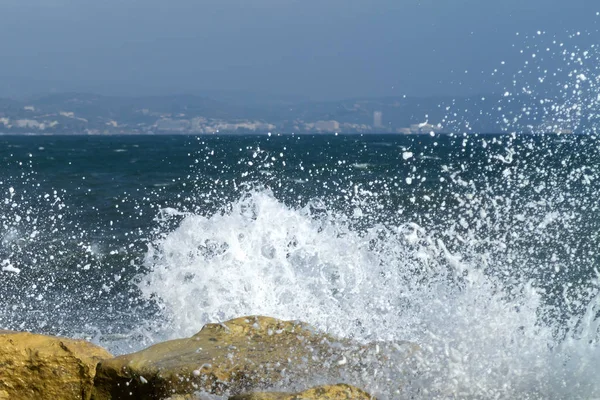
(481, 335)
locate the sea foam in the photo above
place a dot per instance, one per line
(480, 336)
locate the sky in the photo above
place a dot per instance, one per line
(313, 49)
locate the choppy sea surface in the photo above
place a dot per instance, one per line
(482, 249)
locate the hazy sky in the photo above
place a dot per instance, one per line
(322, 49)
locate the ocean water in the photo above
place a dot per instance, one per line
(482, 249)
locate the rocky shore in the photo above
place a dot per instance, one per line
(248, 358)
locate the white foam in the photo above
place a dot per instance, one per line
(480, 338)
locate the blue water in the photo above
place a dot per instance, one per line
(129, 240)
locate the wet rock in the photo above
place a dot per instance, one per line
(238, 356)
(46, 367)
(329, 392)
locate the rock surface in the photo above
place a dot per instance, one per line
(330, 392)
(238, 356)
(45, 367)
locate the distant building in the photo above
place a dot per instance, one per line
(28, 124)
(424, 127)
(172, 125)
(198, 124)
(355, 128)
(327, 126)
(378, 119)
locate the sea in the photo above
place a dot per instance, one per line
(482, 249)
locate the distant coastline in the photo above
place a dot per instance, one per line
(90, 114)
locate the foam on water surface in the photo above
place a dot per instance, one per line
(480, 336)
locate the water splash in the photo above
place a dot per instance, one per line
(552, 86)
(481, 336)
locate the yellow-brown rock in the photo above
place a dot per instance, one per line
(238, 356)
(329, 392)
(45, 367)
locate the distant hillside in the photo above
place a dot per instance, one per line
(84, 113)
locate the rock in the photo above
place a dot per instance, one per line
(238, 356)
(331, 392)
(46, 367)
